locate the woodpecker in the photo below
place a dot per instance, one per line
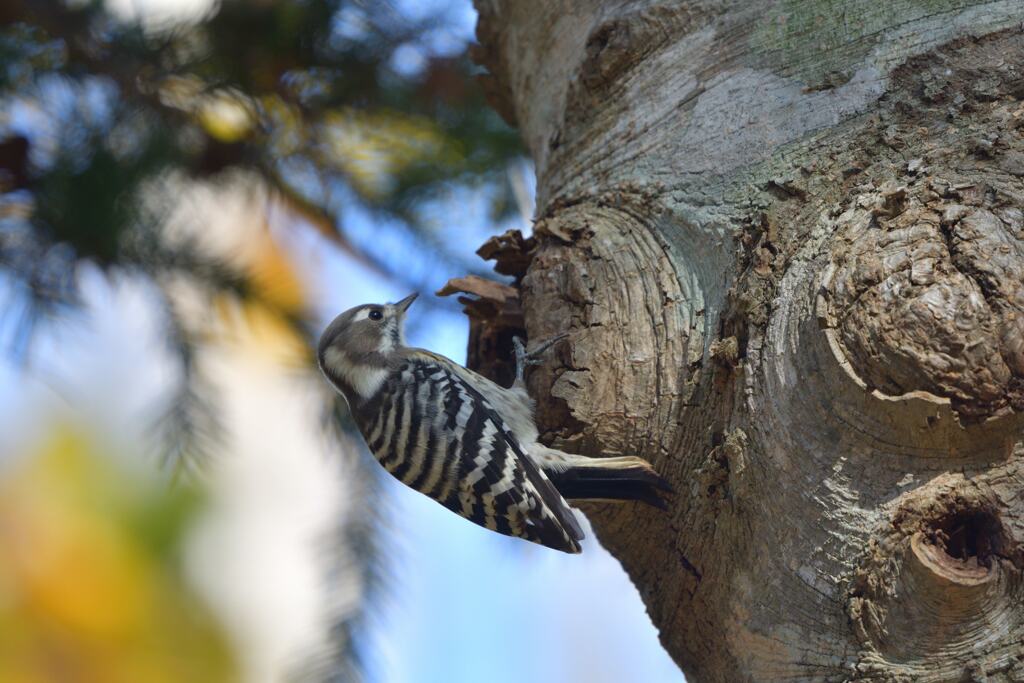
(459, 438)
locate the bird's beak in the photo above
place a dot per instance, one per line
(405, 303)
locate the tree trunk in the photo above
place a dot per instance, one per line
(787, 238)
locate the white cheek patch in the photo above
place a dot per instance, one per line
(365, 381)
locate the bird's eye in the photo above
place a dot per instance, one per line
(375, 315)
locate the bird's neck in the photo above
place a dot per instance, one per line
(357, 378)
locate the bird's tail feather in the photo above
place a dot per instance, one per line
(612, 479)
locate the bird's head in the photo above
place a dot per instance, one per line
(357, 347)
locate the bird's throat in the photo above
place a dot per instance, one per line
(354, 379)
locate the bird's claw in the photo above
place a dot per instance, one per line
(525, 358)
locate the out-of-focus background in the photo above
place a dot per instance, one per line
(189, 192)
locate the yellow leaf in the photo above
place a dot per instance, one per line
(85, 594)
(226, 115)
(373, 146)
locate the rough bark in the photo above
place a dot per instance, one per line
(788, 240)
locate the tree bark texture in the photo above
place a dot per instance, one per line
(787, 238)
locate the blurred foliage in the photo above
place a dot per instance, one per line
(306, 94)
(91, 586)
(335, 105)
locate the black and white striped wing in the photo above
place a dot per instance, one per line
(438, 435)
